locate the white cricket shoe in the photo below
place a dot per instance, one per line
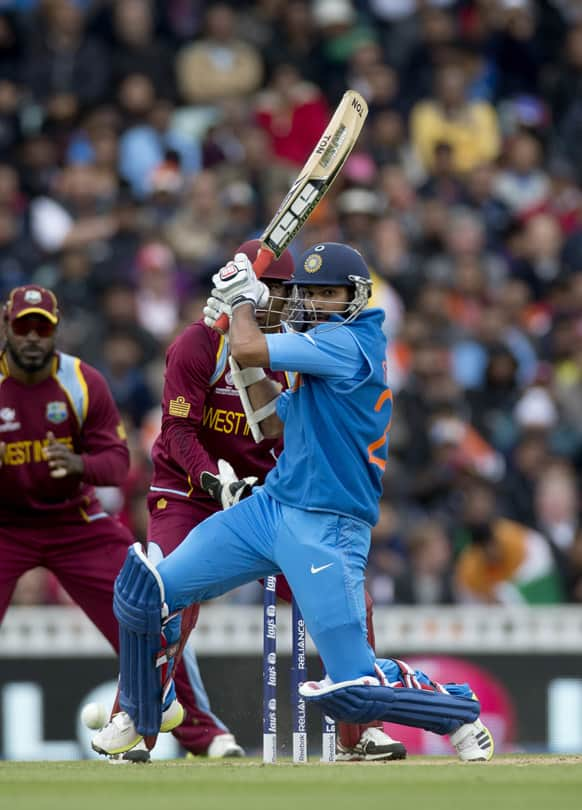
(374, 744)
(474, 742)
(172, 717)
(120, 734)
(224, 746)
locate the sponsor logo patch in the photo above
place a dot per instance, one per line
(319, 568)
(179, 407)
(228, 272)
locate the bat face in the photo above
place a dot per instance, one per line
(319, 172)
(330, 149)
(315, 178)
(292, 213)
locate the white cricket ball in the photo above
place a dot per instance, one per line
(94, 715)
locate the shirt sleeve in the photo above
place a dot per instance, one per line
(334, 354)
(190, 363)
(103, 440)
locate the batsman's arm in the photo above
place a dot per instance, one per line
(248, 348)
(248, 345)
(334, 355)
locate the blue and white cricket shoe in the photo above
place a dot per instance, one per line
(473, 742)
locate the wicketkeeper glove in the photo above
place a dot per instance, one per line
(236, 284)
(225, 487)
(214, 309)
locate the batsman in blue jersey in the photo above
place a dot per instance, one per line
(310, 521)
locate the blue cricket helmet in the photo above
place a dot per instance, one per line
(330, 264)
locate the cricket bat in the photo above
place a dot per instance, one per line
(310, 187)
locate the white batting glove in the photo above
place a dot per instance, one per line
(225, 487)
(236, 284)
(214, 309)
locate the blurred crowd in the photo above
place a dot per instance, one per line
(142, 141)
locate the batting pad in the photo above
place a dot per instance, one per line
(421, 708)
(138, 604)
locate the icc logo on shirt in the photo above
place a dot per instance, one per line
(7, 414)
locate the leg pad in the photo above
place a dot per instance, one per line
(434, 711)
(140, 609)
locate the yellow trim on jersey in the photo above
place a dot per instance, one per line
(221, 360)
(92, 518)
(191, 485)
(221, 343)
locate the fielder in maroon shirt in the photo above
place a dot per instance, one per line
(60, 435)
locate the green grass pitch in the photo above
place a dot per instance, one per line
(435, 783)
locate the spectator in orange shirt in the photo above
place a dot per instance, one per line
(502, 562)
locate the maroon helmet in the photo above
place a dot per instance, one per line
(281, 269)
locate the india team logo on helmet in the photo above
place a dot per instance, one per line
(312, 263)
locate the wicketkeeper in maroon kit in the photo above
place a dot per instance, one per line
(206, 459)
(60, 435)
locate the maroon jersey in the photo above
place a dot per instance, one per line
(203, 419)
(75, 404)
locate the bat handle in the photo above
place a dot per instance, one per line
(263, 261)
(221, 324)
(260, 265)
